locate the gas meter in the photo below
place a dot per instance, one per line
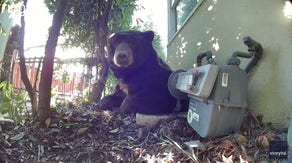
(217, 95)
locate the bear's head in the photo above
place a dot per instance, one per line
(131, 49)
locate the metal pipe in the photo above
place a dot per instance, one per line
(255, 50)
(241, 54)
(207, 54)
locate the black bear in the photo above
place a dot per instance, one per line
(142, 75)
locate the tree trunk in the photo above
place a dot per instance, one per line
(8, 59)
(101, 32)
(23, 71)
(48, 63)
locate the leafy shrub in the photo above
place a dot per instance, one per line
(12, 102)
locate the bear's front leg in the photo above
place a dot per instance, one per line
(128, 106)
(113, 101)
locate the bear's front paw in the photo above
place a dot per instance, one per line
(109, 102)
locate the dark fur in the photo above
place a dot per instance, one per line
(142, 86)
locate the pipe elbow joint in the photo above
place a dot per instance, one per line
(254, 47)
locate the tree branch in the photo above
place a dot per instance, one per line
(101, 33)
(23, 70)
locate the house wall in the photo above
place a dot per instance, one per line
(219, 26)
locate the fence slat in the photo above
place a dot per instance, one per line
(77, 82)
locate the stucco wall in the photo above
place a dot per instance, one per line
(219, 26)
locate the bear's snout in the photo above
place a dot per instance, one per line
(123, 56)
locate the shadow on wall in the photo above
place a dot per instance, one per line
(213, 35)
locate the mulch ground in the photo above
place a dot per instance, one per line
(84, 134)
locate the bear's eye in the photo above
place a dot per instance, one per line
(131, 43)
(111, 51)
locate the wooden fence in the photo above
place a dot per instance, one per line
(76, 84)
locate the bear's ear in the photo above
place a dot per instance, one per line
(111, 38)
(106, 52)
(112, 35)
(148, 35)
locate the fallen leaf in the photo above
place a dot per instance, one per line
(48, 122)
(196, 144)
(18, 136)
(46, 142)
(138, 152)
(242, 140)
(263, 141)
(56, 130)
(271, 136)
(114, 130)
(70, 118)
(81, 130)
(243, 157)
(227, 144)
(3, 119)
(107, 116)
(69, 124)
(130, 138)
(227, 159)
(242, 160)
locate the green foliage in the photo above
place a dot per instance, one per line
(64, 75)
(157, 43)
(121, 15)
(13, 6)
(4, 4)
(110, 85)
(183, 9)
(80, 24)
(80, 21)
(11, 103)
